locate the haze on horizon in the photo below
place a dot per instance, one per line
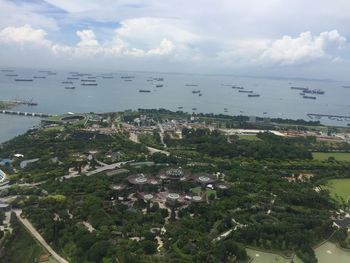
(277, 38)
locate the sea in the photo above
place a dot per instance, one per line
(119, 91)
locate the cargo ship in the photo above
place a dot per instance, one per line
(245, 91)
(253, 95)
(70, 87)
(196, 91)
(145, 90)
(314, 91)
(236, 87)
(309, 97)
(23, 79)
(88, 84)
(298, 88)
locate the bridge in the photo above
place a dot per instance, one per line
(23, 113)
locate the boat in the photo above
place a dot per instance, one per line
(298, 88)
(346, 87)
(7, 70)
(159, 86)
(200, 94)
(236, 87)
(314, 91)
(107, 77)
(91, 77)
(302, 93)
(39, 77)
(253, 95)
(145, 90)
(158, 79)
(245, 91)
(67, 82)
(309, 97)
(194, 108)
(196, 91)
(88, 80)
(191, 85)
(23, 79)
(72, 78)
(180, 108)
(72, 87)
(11, 75)
(88, 84)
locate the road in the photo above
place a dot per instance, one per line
(161, 134)
(107, 167)
(38, 237)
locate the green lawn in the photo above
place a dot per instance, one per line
(197, 191)
(248, 137)
(339, 188)
(321, 156)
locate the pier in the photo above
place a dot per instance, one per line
(23, 113)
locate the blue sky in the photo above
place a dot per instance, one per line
(299, 38)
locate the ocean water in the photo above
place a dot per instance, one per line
(276, 98)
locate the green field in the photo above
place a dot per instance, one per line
(321, 156)
(339, 188)
(248, 137)
(198, 190)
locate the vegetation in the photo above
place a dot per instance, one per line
(338, 156)
(85, 220)
(20, 246)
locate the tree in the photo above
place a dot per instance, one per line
(149, 247)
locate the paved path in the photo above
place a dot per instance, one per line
(38, 237)
(107, 167)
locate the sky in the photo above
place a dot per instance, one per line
(278, 38)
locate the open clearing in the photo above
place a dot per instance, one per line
(339, 188)
(321, 156)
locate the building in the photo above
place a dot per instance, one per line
(5, 207)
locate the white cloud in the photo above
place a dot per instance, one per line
(87, 38)
(19, 13)
(24, 35)
(286, 51)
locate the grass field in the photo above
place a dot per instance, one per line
(248, 137)
(339, 188)
(321, 156)
(197, 191)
